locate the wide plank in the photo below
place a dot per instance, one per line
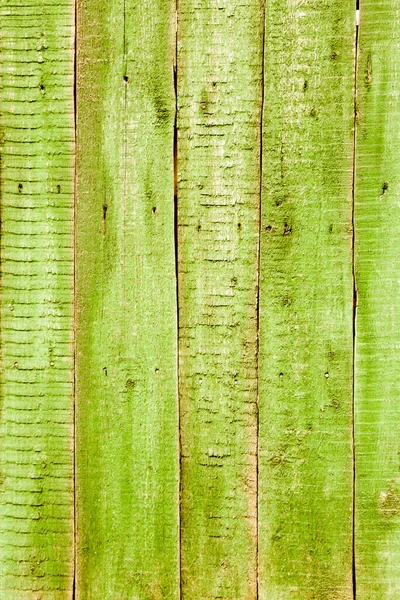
(36, 299)
(306, 302)
(127, 459)
(219, 116)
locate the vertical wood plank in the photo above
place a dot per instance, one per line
(377, 374)
(219, 111)
(127, 409)
(36, 387)
(305, 491)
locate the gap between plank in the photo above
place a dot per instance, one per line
(74, 333)
(354, 316)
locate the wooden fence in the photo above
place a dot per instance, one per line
(200, 300)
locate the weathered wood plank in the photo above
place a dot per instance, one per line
(377, 375)
(127, 409)
(219, 112)
(305, 491)
(36, 307)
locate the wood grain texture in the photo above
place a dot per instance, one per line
(377, 375)
(219, 111)
(127, 407)
(36, 387)
(305, 473)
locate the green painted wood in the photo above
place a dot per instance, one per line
(377, 374)
(36, 306)
(219, 112)
(127, 455)
(306, 293)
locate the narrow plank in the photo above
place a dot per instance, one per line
(377, 374)
(219, 113)
(127, 410)
(36, 305)
(306, 297)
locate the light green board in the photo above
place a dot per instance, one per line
(219, 114)
(36, 310)
(377, 393)
(306, 295)
(127, 480)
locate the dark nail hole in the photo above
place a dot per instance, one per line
(105, 371)
(42, 87)
(280, 374)
(305, 85)
(385, 187)
(126, 78)
(330, 228)
(287, 229)
(154, 210)
(239, 225)
(198, 227)
(59, 189)
(20, 187)
(268, 228)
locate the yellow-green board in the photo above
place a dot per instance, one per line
(199, 321)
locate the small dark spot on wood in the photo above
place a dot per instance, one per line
(327, 375)
(305, 84)
(214, 84)
(199, 227)
(330, 228)
(105, 371)
(287, 229)
(157, 371)
(278, 201)
(280, 374)
(239, 225)
(313, 112)
(287, 301)
(163, 114)
(335, 403)
(104, 211)
(154, 210)
(268, 228)
(42, 87)
(368, 72)
(130, 383)
(20, 187)
(234, 280)
(58, 189)
(126, 78)
(334, 55)
(385, 187)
